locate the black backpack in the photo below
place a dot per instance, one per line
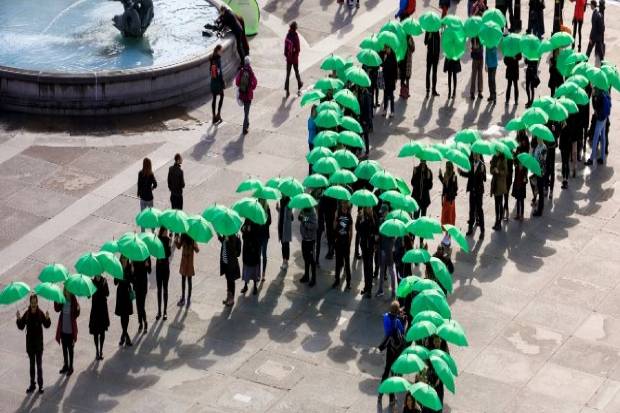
(396, 341)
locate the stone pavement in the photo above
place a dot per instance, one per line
(538, 300)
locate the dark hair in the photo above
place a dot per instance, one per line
(186, 240)
(177, 157)
(147, 167)
(160, 233)
(293, 26)
(216, 52)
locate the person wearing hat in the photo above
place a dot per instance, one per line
(597, 35)
(246, 83)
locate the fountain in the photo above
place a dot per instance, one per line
(92, 57)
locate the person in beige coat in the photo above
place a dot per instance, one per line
(499, 170)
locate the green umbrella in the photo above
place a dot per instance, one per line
(580, 97)
(410, 149)
(542, 132)
(612, 75)
(515, 124)
(567, 88)
(408, 363)
(431, 316)
(490, 34)
(333, 62)
(511, 45)
(327, 119)
(328, 83)
(329, 105)
(545, 47)
(359, 77)
(420, 331)
(425, 395)
(459, 159)
(290, 187)
(50, 292)
(453, 22)
(371, 42)
(389, 39)
(154, 244)
(363, 198)
(472, 26)
(431, 300)
(453, 43)
(500, 147)
(598, 78)
(312, 97)
(212, 211)
(342, 177)
(366, 169)
(346, 158)
(416, 256)
(443, 148)
(561, 39)
(530, 163)
(402, 186)
(405, 286)
(461, 147)
(383, 180)
(580, 80)
(175, 220)
(495, 16)
(419, 351)
(338, 192)
(393, 228)
(441, 273)
(249, 184)
(583, 68)
(315, 181)
(510, 142)
(429, 154)
(400, 215)
(317, 153)
(447, 358)
(132, 247)
(424, 226)
(148, 218)
(227, 222)
(80, 285)
(400, 201)
(458, 236)
(412, 27)
(351, 139)
(534, 116)
(109, 246)
(452, 332)
(326, 138)
(443, 372)
(347, 99)
(199, 228)
(394, 385)
(556, 111)
(326, 166)
(251, 209)
(271, 183)
(569, 105)
(302, 201)
(369, 57)
(53, 273)
(13, 292)
(348, 123)
(530, 47)
(266, 193)
(88, 264)
(110, 263)
(467, 136)
(483, 147)
(542, 102)
(391, 196)
(430, 21)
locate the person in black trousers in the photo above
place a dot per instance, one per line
(217, 84)
(566, 146)
(393, 342)
(146, 184)
(476, 178)
(432, 42)
(531, 80)
(556, 129)
(421, 184)
(366, 113)
(99, 318)
(390, 75)
(66, 331)
(540, 153)
(343, 228)
(124, 303)
(34, 321)
(512, 76)
(366, 227)
(229, 265)
(264, 236)
(176, 183)
(308, 226)
(162, 273)
(141, 269)
(328, 207)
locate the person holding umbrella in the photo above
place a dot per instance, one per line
(189, 248)
(476, 178)
(421, 185)
(285, 217)
(308, 229)
(498, 187)
(540, 153)
(366, 227)
(390, 73)
(448, 194)
(99, 319)
(141, 269)
(393, 343)
(531, 80)
(476, 68)
(519, 189)
(405, 68)
(34, 320)
(229, 265)
(162, 273)
(512, 76)
(264, 236)
(250, 255)
(124, 304)
(66, 331)
(343, 227)
(601, 104)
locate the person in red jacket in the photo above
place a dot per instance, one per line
(246, 82)
(66, 331)
(291, 53)
(580, 9)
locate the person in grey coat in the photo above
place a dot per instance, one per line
(308, 228)
(285, 218)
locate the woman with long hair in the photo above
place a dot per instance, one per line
(146, 184)
(124, 303)
(217, 83)
(99, 319)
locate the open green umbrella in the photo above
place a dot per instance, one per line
(441, 273)
(447, 358)
(369, 57)
(326, 138)
(302, 201)
(511, 45)
(400, 215)
(347, 99)
(212, 211)
(327, 119)
(515, 125)
(542, 132)
(402, 186)
(251, 209)
(424, 227)
(110, 263)
(429, 154)
(148, 218)
(459, 159)
(383, 180)
(443, 372)
(483, 147)
(556, 111)
(346, 158)
(472, 26)
(266, 193)
(430, 21)
(326, 166)
(429, 315)
(530, 47)
(490, 34)
(394, 385)
(50, 292)
(453, 43)
(443, 148)
(364, 198)
(567, 88)
(393, 228)
(338, 192)
(328, 83)
(273, 182)
(329, 105)
(561, 39)
(433, 300)
(510, 142)
(500, 147)
(542, 102)
(175, 220)
(227, 222)
(348, 123)
(154, 244)
(458, 236)
(199, 228)
(54, 273)
(534, 116)
(408, 364)
(250, 184)
(598, 78)
(371, 42)
(453, 22)
(132, 247)
(332, 62)
(420, 331)
(405, 287)
(391, 196)
(317, 153)
(580, 97)
(80, 285)
(311, 97)
(495, 16)
(389, 39)
(425, 395)
(416, 256)
(467, 136)
(88, 264)
(412, 27)
(530, 163)
(351, 139)
(580, 80)
(612, 74)
(290, 187)
(410, 149)
(109, 246)
(366, 169)
(545, 47)
(400, 201)
(452, 332)
(342, 177)
(359, 77)
(569, 105)
(419, 351)
(315, 181)
(13, 292)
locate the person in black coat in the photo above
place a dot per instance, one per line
(229, 265)
(390, 75)
(566, 146)
(366, 114)
(476, 178)
(531, 80)
(250, 255)
(421, 184)
(597, 34)
(433, 45)
(33, 320)
(124, 303)
(366, 227)
(327, 213)
(141, 269)
(512, 76)
(555, 77)
(162, 273)
(176, 183)
(146, 184)
(263, 235)
(99, 318)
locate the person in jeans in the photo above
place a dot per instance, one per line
(146, 184)
(393, 343)
(246, 82)
(476, 68)
(491, 64)
(343, 227)
(308, 227)
(176, 183)
(66, 331)
(292, 48)
(601, 103)
(162, 273)
(34, 320)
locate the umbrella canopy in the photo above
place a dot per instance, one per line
(515, 124)
(212, 211)
(175, 220)
(433, 300)
(266, 193)
(393, 228)
(459, 159)
(452, 332)
(412, 27)
(290, 187)
(511, 45)
(458, 236)
(500, 147)
(447, 358)
(453, 42)
(329, 105)
(383, 180)
(333, 62)
(54, 273)
(598, 78)
(108, 246)
(251, 209)
(371, 42)
(402, 186)
(50, 292)
(425, 395)
(405, 286)
(561, 39)
(420, 331)
(366, 169)
(443, 372)
(431, 316)
(110, 263)
(133, 247)
(483, 147)
(441, 273)
(351, 139)
(569, 105)
(271, 183)
(317, 153)
(338, 192)
(148, 218)
(419, 351)
(579, 96)
(328, 83)
(490, 34)
(80, 285)
(326, 138)
(315, 181)
(87, 264)
(389, 39)
(342, 177)
(154, 244)
(346, 158)
(467, 136)
(542, 132)
(311, 97)
(534, 116)
(364, 198)
(227, 222)
(556, 111)
(408, 364)
(545, 47)
(400, 215)
(199, 229)
(326, 166)
(495, 16)
(424, 227)
(429, 154)
(369, 57)
(416, 256)
(400, 201)
(612, 75)
(327, 119)
(348, 123)
(347, 99)
(453, 22)
(472, 26)
(530, 163)
(13, 292)
(249, 184)
(530, 47)
(302, 201)
(410, 149)
(430, 21)
(580, 80)
(359, 77)
(394, 385)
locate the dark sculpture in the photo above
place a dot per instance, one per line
(135, 19)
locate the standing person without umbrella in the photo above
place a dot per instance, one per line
(246, 82)
(292, 48)
(505, 7)
(453, 68)
(405, 68)
(519, 189)
(476, 178)
(308, 227)
(512, 76)
(540, 153)
(498, 187)
(162, 273)
(531, 80)
(33, 321)
(343, 227)
(433, 45)
(365, 226)
(421, 185)
(124, 304)
(285, 230)
(393, 342)
(217, 84)
(263, 236)
(176, 183)
(250, 255)
(536, 19)
(601, 104)
(390, 73)
(229, 265)
(580, 9)
(99, 318)
(186, 269)
(66, 331)
(228, 19)
(476, 68)
(597, 35)
(146, 184)
(141, 269)
(448, 194)
(491, 65)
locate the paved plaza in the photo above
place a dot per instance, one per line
(539, 300)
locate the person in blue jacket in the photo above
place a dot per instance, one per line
(406, 8)
(393, 342)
